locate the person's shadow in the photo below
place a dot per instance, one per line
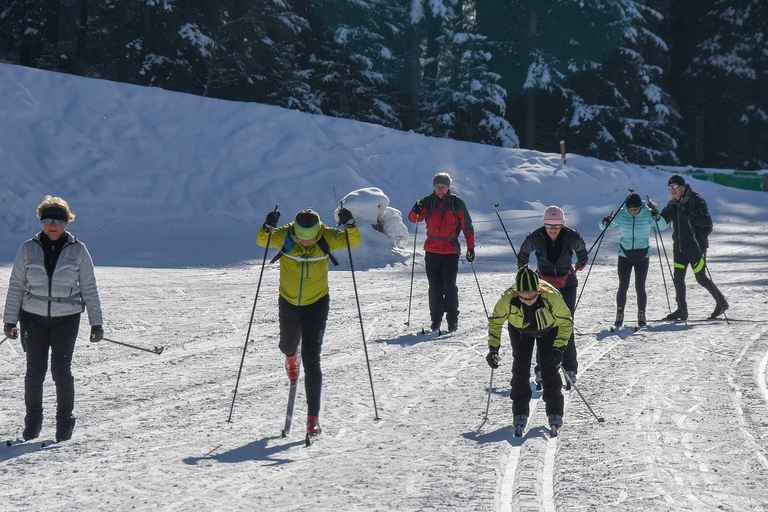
(256, 450)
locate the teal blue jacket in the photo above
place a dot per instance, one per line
(635, 230)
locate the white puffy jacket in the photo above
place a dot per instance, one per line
(70, 290)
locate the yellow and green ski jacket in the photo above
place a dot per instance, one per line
(551, 312)
(304, 270)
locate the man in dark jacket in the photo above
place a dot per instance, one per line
(555, 244)
(446, 216)
(692, 224)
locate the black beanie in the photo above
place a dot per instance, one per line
(527, 280)
(676, 180)
(634, 201)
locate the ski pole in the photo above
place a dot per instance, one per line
(413, 269)
(495, 207)
(599, 419)
(360, 315)
(666, 257)
(157, 350)
(599, 242)
(3, 340)
(472, 264)
(487, 403)
(250, 324)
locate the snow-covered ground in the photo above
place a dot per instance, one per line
(169, 190)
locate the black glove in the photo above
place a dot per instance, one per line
(11, 331)
(606, 221)
(655, 213)
(346, 218)
(97, 333)
(273, 218)
(493, 357)
(556, 357)
(470, 255)
(417, 208)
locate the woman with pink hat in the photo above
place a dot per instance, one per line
(555, 245)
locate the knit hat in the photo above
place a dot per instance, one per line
(676, 180)
(634, 201)
(553, 215)
(442, 178)
(527, 280)
(306, 224)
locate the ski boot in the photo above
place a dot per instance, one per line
(292, 366)
(720, 308)
(32, 430)
(641, 321)
(555, 424)
(619, 318)
(519, 423)
(313, 428)
(678, 314)
(64, 429)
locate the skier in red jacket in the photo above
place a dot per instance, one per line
(446, 216)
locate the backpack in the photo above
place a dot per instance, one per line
(290, 243)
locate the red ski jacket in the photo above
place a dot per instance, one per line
(445, 220)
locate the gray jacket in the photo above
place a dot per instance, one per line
(71, 290)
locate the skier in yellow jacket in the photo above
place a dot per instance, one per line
(536, 313)
(305, 246)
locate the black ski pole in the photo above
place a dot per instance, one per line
(250, 324)
(413, 269)
(598, 241)
(666, 257)
(360, 315)
(599, 419)
(490, 385)
(657, 236)
(157, 350)
(495, 207)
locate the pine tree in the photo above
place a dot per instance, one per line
(728, 103)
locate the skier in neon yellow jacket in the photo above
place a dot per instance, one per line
(535, 313)
(305, 246)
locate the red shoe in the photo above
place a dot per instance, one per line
(313, 425)
(292, 365)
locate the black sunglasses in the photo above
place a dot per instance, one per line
(54, 222)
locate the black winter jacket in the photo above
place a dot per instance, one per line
(691, 222)
(538, 241)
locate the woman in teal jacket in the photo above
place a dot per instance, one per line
(635, 220)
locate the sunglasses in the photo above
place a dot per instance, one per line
(528, 299)
(674, 187)
(553, 226)
(53, 222)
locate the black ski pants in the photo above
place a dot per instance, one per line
(522, 352)
(699, 266)
(305, 325)
(443, 292)
(39, 336)
(641, 273)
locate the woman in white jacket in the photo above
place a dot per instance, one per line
(51, 284)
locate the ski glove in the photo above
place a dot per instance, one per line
(346, 218)
(97, 333)
(655, 213)
(606, 221)
(11, 331)
(493, 357)
(417, 208)
(271, 223)
(581, 266)
(556, 357)
(470, 255)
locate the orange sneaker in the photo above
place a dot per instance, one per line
(313, 425)
(292, 365)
